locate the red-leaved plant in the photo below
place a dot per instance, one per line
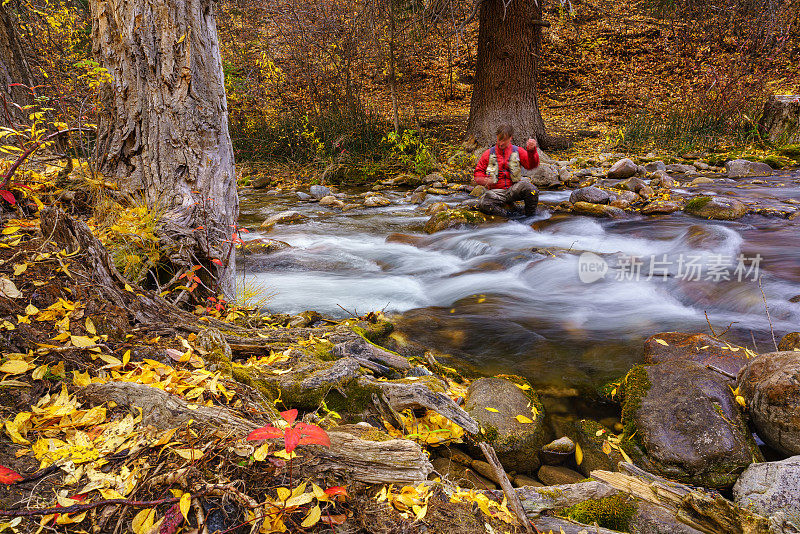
(294, 434)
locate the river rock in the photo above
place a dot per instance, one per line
(702, 180)
(263, 246)
(631, 184)
(418, 197)
(461, 474)
(770, 487)
(477, 191)
(555, 475)
(700, 348)
(771, 389)
(319, 191)
(362, 349)
(646, 192)
(687, 423)
(739, 168)
(436, 208)
(522, 480)
(681, 169)
(590, 436)
(653, 519)
(432, 178)
(331, 201)
(283, 217)
(260, 182)
(597, 210)
(624, 168)
(376, 201)
(453, 218)
(495, 403)
(780, 120)
(303, 196)
(662, 179)
(724, 209)
(661, 207)
(591, 194)
(439, 191)
(655, 166)
(545, 176)
(790, 341)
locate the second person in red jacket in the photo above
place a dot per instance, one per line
(499, 169)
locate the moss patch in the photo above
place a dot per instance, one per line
(696, 204)
(613, 512)
(635, 386)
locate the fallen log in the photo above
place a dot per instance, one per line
(703, 510)
(394, 461)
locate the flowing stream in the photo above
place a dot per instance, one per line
(510, 298)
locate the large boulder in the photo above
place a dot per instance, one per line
(624, 168)
(591, 194)
(456, 218)
(497, 404)
(771, 389)
(723, 209)
(780, 121)
(770, 487)
(701, 348)
(681, 420)
(739, 168)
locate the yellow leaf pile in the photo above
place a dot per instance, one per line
(410, 501)
(432, 429)
(488, 506)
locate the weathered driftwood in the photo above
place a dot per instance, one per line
(403, 395)
(537, 500)
(505, 483)
(704, 511)
(378, 462)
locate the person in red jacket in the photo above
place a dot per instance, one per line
(499, 169)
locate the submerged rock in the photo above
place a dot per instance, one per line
(496, 403)
(683, 418)
(701, 348)
(661, 208)
(453, 218)
(771, 389)
(770, 487)
(723, 209)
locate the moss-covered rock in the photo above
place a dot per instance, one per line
(681, 421)
(502, 407)
(724, 209)
(213, 348)
(453, 218)
(590, 436)
(613, 512)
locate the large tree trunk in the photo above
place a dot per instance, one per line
(165, 132)
(13, 69)
(509, 40)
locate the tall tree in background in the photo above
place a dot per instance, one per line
(509, 44)
(13, 70)
(164, 134)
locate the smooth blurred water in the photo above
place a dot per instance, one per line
(508, 298)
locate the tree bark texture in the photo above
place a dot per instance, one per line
(13, 69)
(509, 41)
(165, 132)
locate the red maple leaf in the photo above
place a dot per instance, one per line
(9, 476)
